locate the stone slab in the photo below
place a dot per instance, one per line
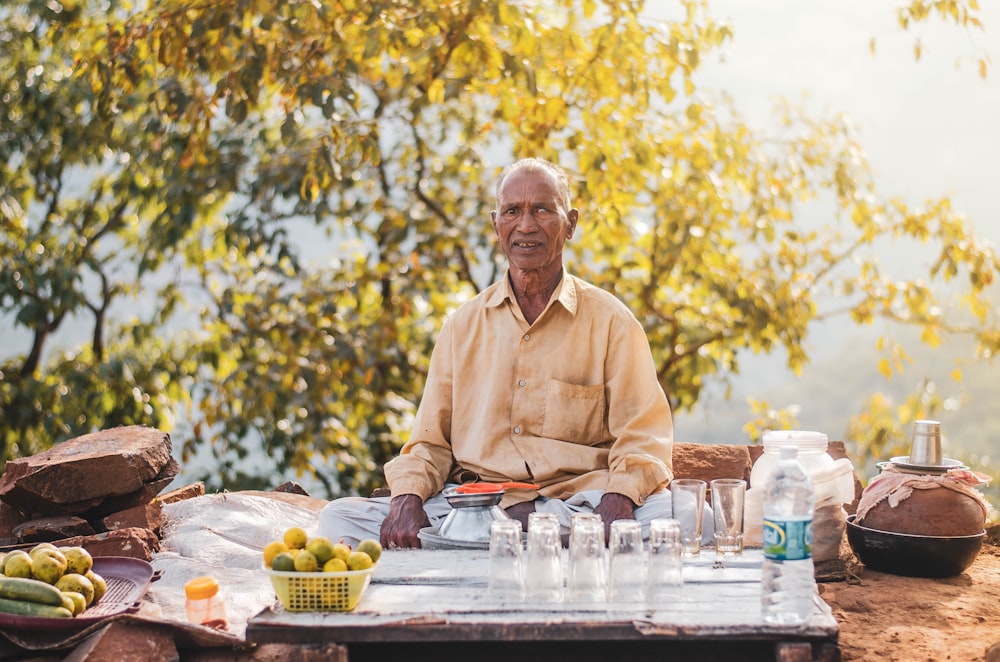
(185, 492)
(144, 516)
(50, 529)
(121, 640)
(76, 475)
(135, 543)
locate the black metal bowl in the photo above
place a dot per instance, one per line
(912, 555)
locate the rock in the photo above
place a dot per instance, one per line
(79, 474)
(144, 516)
(126, 640)
(932, 512)
(50, 529)
(10, 517)
(708, 461)
(135, 543)
(300, 652)
(181, 493)
(144, 494)
(291, 487)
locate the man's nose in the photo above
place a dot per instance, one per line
(527, 220)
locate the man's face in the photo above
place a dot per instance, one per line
(532, 222)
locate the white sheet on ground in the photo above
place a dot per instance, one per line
(223, 535)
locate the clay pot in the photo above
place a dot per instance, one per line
(934, 512)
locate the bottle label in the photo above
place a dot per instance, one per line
(788, 540)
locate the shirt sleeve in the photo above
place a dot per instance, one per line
(423, 465)
(639, 419)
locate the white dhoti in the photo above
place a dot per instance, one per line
(353, 519)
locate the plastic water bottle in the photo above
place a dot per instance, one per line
(787, 577)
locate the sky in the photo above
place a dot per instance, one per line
(930, 128)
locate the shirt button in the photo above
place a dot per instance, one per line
(517, 430)
(527, 336)
(522, 383)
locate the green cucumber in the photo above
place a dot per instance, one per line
(30, 590)
(23, 608)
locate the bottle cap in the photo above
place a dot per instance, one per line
(201, 588)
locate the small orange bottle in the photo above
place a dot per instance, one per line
(205, 605)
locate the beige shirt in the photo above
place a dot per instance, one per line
(570, 402)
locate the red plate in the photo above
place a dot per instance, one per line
(127, 579)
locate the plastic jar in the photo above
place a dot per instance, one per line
(812, 453)
(205, 605)
(833, 482)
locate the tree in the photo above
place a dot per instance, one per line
(211, 135)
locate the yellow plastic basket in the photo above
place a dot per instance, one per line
(320, 591)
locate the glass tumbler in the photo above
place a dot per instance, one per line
(626, 576)
(728, 496)
(665, 567)
(506, 580)
(585, 580)
(543, 578)
(687, 496)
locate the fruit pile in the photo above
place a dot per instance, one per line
(296, 552)
(49, 581)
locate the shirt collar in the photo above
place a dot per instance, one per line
(565, 293)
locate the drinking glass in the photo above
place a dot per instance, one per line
(687, 496)
(543, 580)
(586, 574)
(664, 571)
(728, 495)
(506, 562)
(626, 577)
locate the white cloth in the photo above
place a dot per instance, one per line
(353, 519)
(223, 536)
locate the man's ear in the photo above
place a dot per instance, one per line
(574, 217)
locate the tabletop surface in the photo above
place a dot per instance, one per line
(422, 595)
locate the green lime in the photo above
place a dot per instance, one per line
(372, 548)
(283, 562)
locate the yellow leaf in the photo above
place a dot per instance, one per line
(956, 374)
(884, 368)
(930, 336)
(435, 93)
(871, 46)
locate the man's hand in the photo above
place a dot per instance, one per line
(614, 507)
(520, 512)
(405, 519)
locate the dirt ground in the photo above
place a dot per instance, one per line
(907, 619)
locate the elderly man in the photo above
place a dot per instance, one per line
(541, 378)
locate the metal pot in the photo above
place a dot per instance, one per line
(471, 515)
(913, 555)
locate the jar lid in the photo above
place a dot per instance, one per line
(801, 439)
(201, 588)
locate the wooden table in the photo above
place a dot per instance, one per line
(435, 604)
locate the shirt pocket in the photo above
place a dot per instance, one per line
(574, 413)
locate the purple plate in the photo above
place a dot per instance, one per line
(128, 580)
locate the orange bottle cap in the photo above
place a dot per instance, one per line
(201, 588)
